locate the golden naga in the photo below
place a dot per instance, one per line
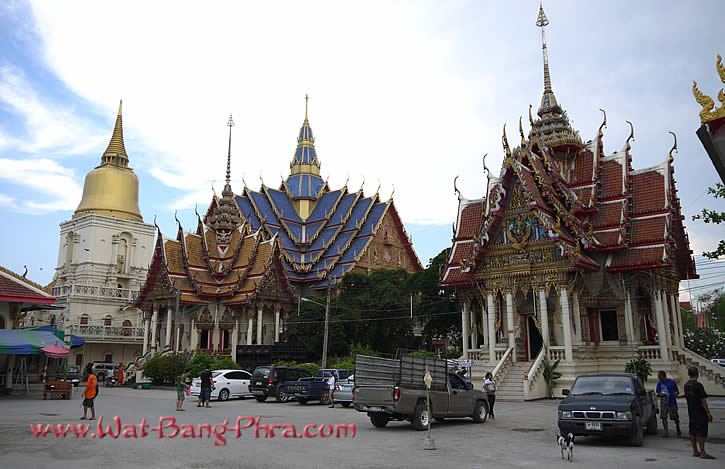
(707, 114)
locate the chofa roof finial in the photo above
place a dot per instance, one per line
(505, 142)
(631, 136)
(674, 148)
(604, 123)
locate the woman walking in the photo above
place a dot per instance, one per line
(489, 385)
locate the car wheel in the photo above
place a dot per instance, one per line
(379, 420)
(261, 398)
(420, 417)
(223, 394)
(345, 404)
(302, 401)
(652, 424)
(638, 433)
(280, 395)
(480, 412)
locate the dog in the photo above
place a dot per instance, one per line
(566, 444)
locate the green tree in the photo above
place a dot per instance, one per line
(435, 307)
(714, 308)
(713, 216)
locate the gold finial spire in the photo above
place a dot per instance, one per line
(230, 124)
(307, 99)
(541, 22)
(116, 151)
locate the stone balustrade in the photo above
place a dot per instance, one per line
(108, 332)
(93, 291)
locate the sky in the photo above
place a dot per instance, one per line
(404, 96)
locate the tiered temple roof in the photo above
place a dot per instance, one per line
(591, 205)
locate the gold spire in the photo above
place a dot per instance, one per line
(116, 151)
(541, 22)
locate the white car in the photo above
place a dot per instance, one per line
(719, 361)
(227, 383)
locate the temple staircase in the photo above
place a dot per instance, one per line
(712, 376)
(510, 386)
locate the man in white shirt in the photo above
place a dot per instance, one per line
(331, 387)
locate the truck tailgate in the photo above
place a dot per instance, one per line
(374, 395)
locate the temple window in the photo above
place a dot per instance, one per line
(126, 327)
(610, 328)
(84, 320)
(108, 320)
(226, 339)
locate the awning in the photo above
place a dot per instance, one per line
(55, 351)
(75, 340)
(26, 341)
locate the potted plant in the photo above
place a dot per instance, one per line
(640, 367)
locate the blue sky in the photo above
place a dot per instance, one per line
(403, 94)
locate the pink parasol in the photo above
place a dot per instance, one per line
(55, 351)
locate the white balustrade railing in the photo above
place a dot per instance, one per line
(107, 332)
(504, 362)
(534, 378)
(94, 291)
(649, 352)
(557, 352)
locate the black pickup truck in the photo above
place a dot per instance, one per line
(609, 405)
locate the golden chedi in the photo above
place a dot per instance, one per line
(111, 189)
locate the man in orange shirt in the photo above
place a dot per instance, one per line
(89, 394)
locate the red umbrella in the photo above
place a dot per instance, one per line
(55, 351)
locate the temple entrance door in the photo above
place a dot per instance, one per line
(593, 325)
(535, 341)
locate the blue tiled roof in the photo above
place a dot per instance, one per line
(305, 131)
(373, 219)
(283, 205)
(305, 155)
(304, 185)
(324, 206)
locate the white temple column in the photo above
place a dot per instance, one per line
(145, 336)
(177, 332)
(484, 323)
(566, 323)
(235, 339)
(543, 310)
(260, 311)
(674, 299)
(465, 323)
(661, 326)
(114, 253)
(131, 261)
(168, 328)
(194, 335)
(628, 317)
(668, 320)
(474, 328)
(577, 319)
(491, 329)
(250, 327)
(510, 321)
(277, 309)
(154, 322)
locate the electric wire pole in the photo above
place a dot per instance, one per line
(327, 321)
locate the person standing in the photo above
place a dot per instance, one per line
(668, 391)
(206, 385)
(699, 413)
(89, 394)
(181, 388)
(331, 387)
(489, 385)
(120, 374)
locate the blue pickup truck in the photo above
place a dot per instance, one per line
(314, 388)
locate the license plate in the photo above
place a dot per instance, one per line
(593, 426)
(258, 393)
(375, 409)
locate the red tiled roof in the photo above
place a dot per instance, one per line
(582, 172)
(608, 215)
(648, 229)
(637, 257)
(471, 220)
(461, 251)
(611, 178)
(14, 288)
(648, 190)
(608, 238)
(584, 194)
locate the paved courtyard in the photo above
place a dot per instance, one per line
(522, 436)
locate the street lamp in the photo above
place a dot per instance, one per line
(327, 321)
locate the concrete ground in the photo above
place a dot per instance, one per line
(523, 435)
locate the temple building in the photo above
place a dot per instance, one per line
(234, 279)
(103, 257)
(571, 255)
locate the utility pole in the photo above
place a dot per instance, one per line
(327, 321)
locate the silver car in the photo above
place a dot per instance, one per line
(343, 393)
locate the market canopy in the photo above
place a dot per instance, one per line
(26, 341)
(75, 340)
(55, 351)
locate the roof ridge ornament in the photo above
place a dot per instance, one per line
(604, 123)
(521, 131)
(455, 188)
(707, 114)
(627, 146)
(505, 142)
(531, 119)
(671, 158)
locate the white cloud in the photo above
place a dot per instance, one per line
(7, 201)
(53, 186)
(49, 127)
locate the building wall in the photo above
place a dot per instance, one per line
(387, 249)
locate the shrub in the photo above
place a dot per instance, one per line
(551, 376)
(640, 367)
(710, 343)
(164, 369)
(310, 367)
(213, 361)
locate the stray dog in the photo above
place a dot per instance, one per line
(566, 443)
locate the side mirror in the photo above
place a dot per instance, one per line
(469, 386)
(565, 392)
